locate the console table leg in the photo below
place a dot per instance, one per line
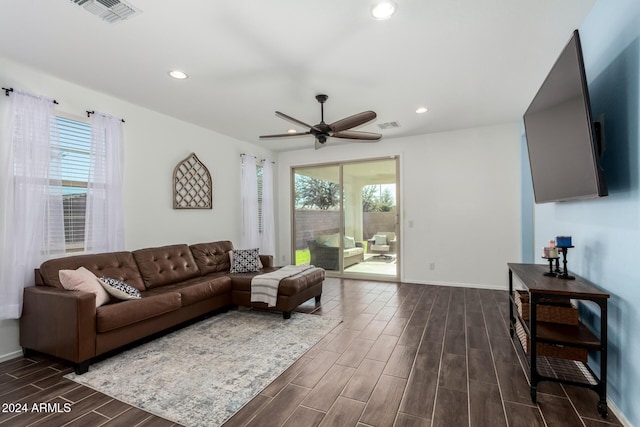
(534, 394)
(511, 316)
(603, 409)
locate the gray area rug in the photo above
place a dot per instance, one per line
(202, 374)
(386, 260)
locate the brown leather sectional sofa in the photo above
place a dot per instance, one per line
(177, 283)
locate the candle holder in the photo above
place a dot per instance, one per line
(565, 274)
(551, 273)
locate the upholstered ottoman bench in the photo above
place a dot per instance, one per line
(292, 292)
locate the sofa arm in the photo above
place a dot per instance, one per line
(266, 260)
(58, 322)
(326, 257)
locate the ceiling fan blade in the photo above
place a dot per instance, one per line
(296, 121)
(357, 135)
(284, 135)
(352, 121)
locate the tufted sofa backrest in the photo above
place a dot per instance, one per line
(167, 264)
(117, 265)
(212, 257)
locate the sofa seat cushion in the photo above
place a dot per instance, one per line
(165, 265)
(212, 257)
(120, 314)
(118, 265)
(353, 251)
(197, 289)
(289, 286)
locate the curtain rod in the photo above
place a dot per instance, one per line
(89, 113)
(10, 89)
(261, 160)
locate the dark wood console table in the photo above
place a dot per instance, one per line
(548, 368)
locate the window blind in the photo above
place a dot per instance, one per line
(259, 170)
(71, 145)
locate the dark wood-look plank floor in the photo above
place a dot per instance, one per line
(404, 355)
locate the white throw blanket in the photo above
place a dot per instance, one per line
(264, 287)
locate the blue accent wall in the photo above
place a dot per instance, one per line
(606, 231)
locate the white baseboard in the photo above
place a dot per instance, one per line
(618, 413)
(458, 285)
(11, 355)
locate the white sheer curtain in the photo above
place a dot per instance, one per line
(33, 221)
(267, 237)
(104, 220)
(250, 236)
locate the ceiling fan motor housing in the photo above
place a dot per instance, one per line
(322, 133)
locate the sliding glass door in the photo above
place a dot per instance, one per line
(316, 216)
(345, 218)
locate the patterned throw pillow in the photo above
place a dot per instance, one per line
(119, 289)
(245, 261)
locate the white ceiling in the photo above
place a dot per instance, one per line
(471, 62)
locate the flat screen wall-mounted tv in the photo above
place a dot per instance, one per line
(562, 140)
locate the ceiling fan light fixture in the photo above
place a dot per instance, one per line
(383, 10)
(422, 110)
(177, 74)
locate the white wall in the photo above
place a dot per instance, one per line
(154, 144)
(460, 189)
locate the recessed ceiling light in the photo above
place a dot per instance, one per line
(383, 10)
(292, 131)
(177, 74)
(421, 110)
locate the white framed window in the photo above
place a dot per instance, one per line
(71, 145)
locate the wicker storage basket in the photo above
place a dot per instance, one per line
(552, 311)
(550, 350)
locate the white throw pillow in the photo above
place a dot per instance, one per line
(380, 239)
(84, 280)
(321, 239)
(349, 242)
(333, 241)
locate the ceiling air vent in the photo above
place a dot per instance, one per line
(111, 11)
(388, 125)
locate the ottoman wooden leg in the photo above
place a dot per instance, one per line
(318, 298)
(286, 315)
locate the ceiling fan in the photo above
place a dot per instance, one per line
(339, 129)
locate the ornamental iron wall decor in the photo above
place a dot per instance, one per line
(193, 187)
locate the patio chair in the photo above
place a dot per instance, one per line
(382, 243)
